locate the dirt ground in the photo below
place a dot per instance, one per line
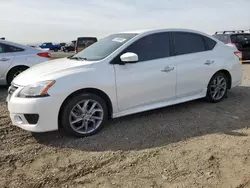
(196, 144)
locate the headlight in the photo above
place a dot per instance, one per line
(39, 89)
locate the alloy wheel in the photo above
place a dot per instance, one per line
(86, 116)
(218, 87)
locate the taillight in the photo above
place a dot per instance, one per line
(238, 54)
(44, 54)
(76, 51)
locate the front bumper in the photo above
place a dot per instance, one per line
(47, 108)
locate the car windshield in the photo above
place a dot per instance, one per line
(104, 47)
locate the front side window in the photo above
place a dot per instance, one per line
(186, 43)
(104, 47)
(151, 47)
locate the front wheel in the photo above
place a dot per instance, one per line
(217, 88)
(84, 115)
(55, 50)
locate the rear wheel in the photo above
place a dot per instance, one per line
(84, 115)
(217, 88)
(14, 72)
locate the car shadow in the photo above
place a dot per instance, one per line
(164, 126)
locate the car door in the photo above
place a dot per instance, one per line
(6, 58)
(149, 81)
(195, 63)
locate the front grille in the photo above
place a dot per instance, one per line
(12, 89)
(31, 118)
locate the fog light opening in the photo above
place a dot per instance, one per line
(18, 119)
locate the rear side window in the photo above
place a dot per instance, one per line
(209, 42)
(151, 47)
(186, 43)
(4, 48)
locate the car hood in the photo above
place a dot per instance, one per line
(50, 70)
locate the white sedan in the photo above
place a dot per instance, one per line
(15, 58)
(122, 74)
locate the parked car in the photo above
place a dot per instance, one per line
(122, 74)
(15, 58)
(70, 47)
(62, 44)
(84, 42)
(239, 38)
(49, 45)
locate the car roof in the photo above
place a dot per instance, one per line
(164, 30)
(17, 45)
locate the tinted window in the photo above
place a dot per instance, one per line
(4, 48)
(210, 43)
(185, 43)
(240, 38)
(105, 46)
(85, 42)
(151, 47)
(1, 48)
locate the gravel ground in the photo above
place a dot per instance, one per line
(196, 144)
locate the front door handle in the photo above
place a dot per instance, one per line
(4, 59)
(167, 69)
(208, 62)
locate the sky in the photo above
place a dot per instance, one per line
(33, 21)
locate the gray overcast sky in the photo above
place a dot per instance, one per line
(29, 21)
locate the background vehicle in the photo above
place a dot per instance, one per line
(54, 47)
(122, 74)
(15, 58)
(70, 47)
(62, 44)
(238, 38)
(84, 42)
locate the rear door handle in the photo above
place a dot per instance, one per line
(208, 62)
(4, 59)
(167, 69)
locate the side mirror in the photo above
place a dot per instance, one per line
(129, 57)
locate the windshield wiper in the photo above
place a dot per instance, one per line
(77, 58)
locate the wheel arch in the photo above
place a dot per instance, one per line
(95, 91)
(13, 68)
(227, 73)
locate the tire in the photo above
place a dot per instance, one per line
(71, 113)
(14, 72)
(213, 87)
(55, 50)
